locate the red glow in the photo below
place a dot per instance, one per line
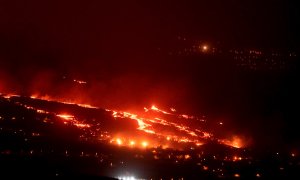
(235, 142)
(66, 116)
(159, 126)
(71, 119)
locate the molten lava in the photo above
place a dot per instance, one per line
(155, 127)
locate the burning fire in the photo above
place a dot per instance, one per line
(71, 119)
(161, 127)
(235, 142)
(47, 98)
(66, 117)
(186, 134)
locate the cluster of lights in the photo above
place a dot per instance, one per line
(130, 143)
(126, 178)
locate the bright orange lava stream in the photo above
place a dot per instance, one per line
(152, 122)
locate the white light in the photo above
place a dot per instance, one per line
(127, 178)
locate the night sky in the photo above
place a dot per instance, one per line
(84, 31)
(114, 45)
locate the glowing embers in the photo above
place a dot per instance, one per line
(82, 125)
(72, 120)
(47, 98)
(66, 117)
(8, 96)
(142, 125)
(154, 108)
(41, 111)
(186, 116)
(79, 81)
(122, 141)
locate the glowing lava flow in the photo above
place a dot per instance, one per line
(72, 120)
(154, 108)
(161, 128)
(47, 98)
(66, 117)
(183, 133)
(141, 122)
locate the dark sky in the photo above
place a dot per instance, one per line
(106, 36)
(113, 44)
(97, 29)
